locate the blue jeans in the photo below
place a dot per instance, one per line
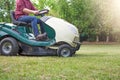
(34, 21)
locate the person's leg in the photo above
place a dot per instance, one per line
(41, 25)
(33, 21)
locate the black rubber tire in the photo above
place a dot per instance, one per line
(64, 51)
(9, 47)
(73, 52)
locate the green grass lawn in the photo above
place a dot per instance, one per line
(92, 62)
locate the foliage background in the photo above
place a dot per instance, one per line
(93, 18)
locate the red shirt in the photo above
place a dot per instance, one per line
(20, 5)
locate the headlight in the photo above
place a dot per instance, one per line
(76, 39)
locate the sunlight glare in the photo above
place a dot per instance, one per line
(116, 7)
(115, 12)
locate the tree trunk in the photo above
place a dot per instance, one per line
(97, 38)
(107, 39)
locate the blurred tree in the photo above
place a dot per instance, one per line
(5, 7)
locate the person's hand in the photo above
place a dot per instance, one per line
(36, 12)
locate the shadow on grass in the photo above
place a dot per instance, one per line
(91, 55)
(54, 56)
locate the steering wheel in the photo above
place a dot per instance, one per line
(42, 12)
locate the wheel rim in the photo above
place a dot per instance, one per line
(7, 47)
(65, 52)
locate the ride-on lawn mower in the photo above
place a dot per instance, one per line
(17, 38)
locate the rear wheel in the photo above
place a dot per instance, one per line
(64, 51)
(9, 47)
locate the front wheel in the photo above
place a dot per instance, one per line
(9, 47)
(64, 51)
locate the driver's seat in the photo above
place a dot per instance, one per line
(14, 21)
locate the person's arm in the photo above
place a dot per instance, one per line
(25, 10)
